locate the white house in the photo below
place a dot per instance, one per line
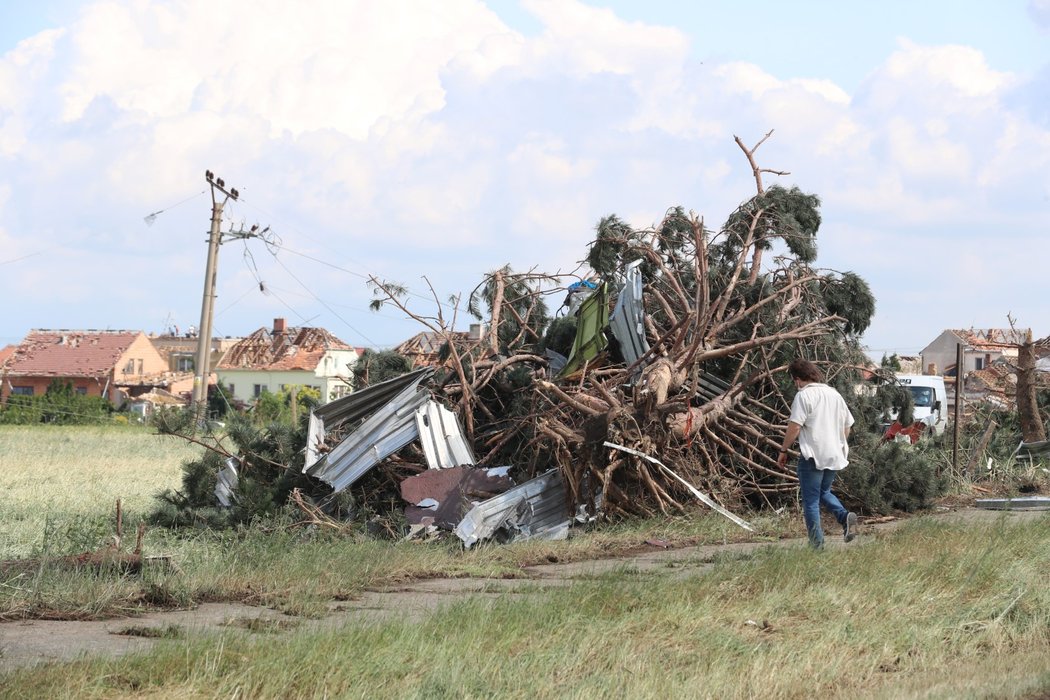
(271, 360)
(981, 347)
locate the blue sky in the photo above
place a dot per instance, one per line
(428, 143)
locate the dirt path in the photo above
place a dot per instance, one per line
(37, 641)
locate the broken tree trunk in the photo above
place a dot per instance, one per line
(1032, 429)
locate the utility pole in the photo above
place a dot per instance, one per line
(201, 369)
(960, 376)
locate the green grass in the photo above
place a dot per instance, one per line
(61, 483)
(930, 610)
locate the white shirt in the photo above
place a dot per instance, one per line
(824, 417)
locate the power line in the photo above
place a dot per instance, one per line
(150, 218)
(14, 260)
(319, 299)
(366, 277)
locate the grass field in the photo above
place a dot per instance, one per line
(61, 481)
(933, 609)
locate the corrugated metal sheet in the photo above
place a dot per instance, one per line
(442, 439)
(534, 510)
(353, 408)
(591, 321)
(226, 484)
(628, 318)
(1023, 503)
(383, 433)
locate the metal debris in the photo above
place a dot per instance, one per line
(628, 318)
(327, 419)
(1022, 503)
(226, 484)
(592, 319)
(441, 437)
(534, 510)
(390, 427)
(453, 491)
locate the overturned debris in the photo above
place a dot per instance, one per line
(536, 509)
(226, 484)
(441, 497)
(388, 424)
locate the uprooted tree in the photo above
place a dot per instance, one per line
(702, 387)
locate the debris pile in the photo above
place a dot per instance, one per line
(351, 435)
(677, 347)
(661, 385)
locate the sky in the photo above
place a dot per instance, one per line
(427, 143)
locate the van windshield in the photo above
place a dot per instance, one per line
(922, 396)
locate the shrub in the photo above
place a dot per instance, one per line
(887, 476)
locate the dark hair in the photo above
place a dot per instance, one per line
(805, 370)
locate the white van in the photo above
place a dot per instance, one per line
(930, 399)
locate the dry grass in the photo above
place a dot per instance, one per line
(58, 481)
(930, 610)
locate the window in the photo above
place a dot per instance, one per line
(140, 366)
(978, 363)
(82, 390)
(230, 391)
(21, 391)
(129, 368)
(184, 364)
(257, 390)
(921, 396)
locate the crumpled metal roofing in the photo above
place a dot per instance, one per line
(390, 426)
(628, 318)
(354, 407)
(442, 438)
(534, 510)
(226, 484)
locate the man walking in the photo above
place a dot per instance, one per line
(820, 420)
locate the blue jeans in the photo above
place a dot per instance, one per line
(815, 485)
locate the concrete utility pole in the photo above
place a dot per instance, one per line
(201, 369)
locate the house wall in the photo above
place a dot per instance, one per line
(326, 377)
(89, 386)
(141, 359)
(245, 380)
(180, 352)
(942, 351)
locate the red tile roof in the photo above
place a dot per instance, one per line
(6, 353)
(294, 349)
(46, 353)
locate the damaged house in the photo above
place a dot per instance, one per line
(271, 359)
(115, 365)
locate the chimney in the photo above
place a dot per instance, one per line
(477, 331)
(931, 368)
(279, 326)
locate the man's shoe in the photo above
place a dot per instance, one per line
(849, 530)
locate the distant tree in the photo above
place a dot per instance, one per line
(891, 363)
(374, 367)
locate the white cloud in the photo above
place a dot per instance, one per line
(334, 64)
(412, 137)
